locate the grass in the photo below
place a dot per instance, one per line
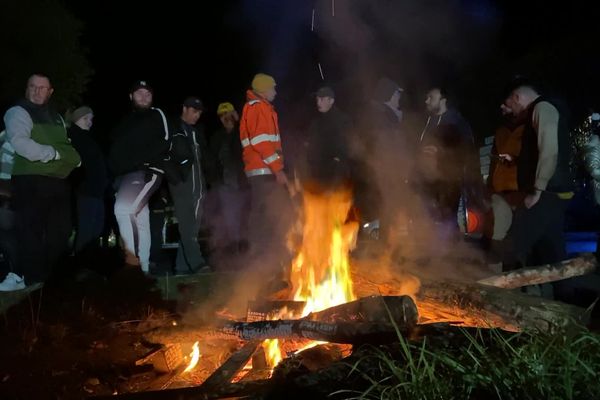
(478, 364)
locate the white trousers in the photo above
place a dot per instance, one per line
(133, 216)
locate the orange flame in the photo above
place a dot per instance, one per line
(321, 270)
(320, 273)
(308, 346)
(272, 352)
(195, 356)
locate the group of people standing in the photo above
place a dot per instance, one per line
(56, 159)
(147, 148)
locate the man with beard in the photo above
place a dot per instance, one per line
(137, 159)
(448, 159)
(44, 157)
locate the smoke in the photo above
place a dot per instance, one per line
(410, 41)
(355, 43)
(416, 44)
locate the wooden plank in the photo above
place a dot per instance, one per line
(225, 373)
(581, 265)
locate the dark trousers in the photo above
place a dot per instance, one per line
(43, 224)
(188, 204)
(90, 221)
(234, 206)
(269, 221)
(536, 236)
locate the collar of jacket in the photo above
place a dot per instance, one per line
(252, 95)
(187, 127)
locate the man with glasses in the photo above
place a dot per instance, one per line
(44, 157)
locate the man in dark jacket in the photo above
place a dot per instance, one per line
(327, 152)
(232, 183)
(385, 113)
(137, 159)
(448, 158)
(188, 191)
(89, 181)
(382, 173)
(44, 157)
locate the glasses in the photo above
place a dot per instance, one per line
(35, 88)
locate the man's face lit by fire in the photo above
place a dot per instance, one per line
(514, 103)
(506, 111)
(435, 102)
(142, 98)
(324, 104)
(190, 115)
(38, 90)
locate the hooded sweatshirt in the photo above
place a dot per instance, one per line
(451, 134)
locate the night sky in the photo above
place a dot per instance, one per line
(212, 49)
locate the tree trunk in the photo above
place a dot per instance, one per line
(543, 274)
(472, 304)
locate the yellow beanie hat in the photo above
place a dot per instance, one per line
(262, 82)
(225, 108)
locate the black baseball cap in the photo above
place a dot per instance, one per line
(193, 102)
(141, 85)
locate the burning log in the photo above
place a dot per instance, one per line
(543, 274)
(225, 373)
(351, 322)
(371, 309)
(341, 332)
(482, 305)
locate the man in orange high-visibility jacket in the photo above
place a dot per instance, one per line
(263, 165)
(259, 131)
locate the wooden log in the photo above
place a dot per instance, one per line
(225, 373)
(581, 265)
(474, 304)
(353, 322)
(341, 332)
(371, 309)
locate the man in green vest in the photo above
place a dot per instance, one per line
(41, 194)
